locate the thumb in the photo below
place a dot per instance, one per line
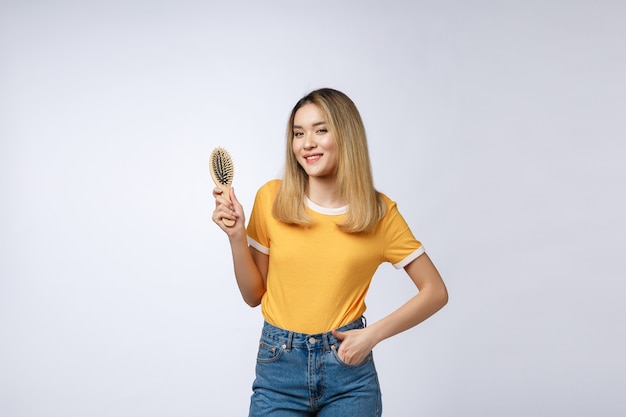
(339, 335)
(232, 196)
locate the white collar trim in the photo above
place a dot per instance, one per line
(326, 210)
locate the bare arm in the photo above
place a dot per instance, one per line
(249, 264)
(432, 295)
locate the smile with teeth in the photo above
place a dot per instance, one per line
(313, 158)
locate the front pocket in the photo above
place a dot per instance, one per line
(367, 359)
(269, 352)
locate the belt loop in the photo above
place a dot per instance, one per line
(289, 341)
(364, 320)
(325, 340)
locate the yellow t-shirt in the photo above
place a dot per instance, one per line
(318, 276)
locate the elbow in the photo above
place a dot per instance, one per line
(253, 300)
(442, 296)
(437, 296)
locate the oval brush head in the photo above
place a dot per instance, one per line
(222, 172)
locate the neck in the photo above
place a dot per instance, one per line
(324, 193)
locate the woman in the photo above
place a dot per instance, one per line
(312, 245)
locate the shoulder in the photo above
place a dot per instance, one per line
(388, 202)
(392, 212)
(270, 187)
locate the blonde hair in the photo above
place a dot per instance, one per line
(354, 172)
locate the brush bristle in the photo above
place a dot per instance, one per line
(222, 166)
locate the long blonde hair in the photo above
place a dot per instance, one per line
(354, 172)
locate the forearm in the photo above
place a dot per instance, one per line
(423, 305)
(249, 278)
(357, 343)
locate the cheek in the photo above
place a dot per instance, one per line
(331, 146)
(330, 143)
(295, 150)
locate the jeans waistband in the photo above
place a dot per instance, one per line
(302, 340)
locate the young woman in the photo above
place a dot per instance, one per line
(312, 245)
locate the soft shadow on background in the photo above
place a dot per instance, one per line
(498, 127)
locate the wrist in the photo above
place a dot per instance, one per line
(238, 237)
(377, 334)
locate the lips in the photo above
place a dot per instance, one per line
(313, 157)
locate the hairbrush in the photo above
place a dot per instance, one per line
(222, 172)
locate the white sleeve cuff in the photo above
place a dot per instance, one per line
(256, 245)
(419, 251)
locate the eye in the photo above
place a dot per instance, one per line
(297, 134)
(322, 131)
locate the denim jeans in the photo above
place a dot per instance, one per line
(301, 375)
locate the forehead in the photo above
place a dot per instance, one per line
(308, 114)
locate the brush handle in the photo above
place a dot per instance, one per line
(226, 193)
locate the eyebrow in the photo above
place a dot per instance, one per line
(314, 124)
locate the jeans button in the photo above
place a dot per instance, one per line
(312, 340)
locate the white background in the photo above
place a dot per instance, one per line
(498, 127)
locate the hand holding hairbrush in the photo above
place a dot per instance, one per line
(222, 172)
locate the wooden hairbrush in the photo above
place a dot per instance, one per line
(222, 172)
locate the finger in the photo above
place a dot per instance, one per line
(221, 198)
(339, 335)
(224, 204)
(225, 211)
(217, 219)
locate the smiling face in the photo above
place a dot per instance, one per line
(313, 145)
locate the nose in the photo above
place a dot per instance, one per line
(309, 141)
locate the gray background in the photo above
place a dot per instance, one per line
(498, 127)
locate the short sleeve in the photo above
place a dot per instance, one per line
(401, 246)
(257, 230)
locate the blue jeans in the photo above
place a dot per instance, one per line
(300, 375)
